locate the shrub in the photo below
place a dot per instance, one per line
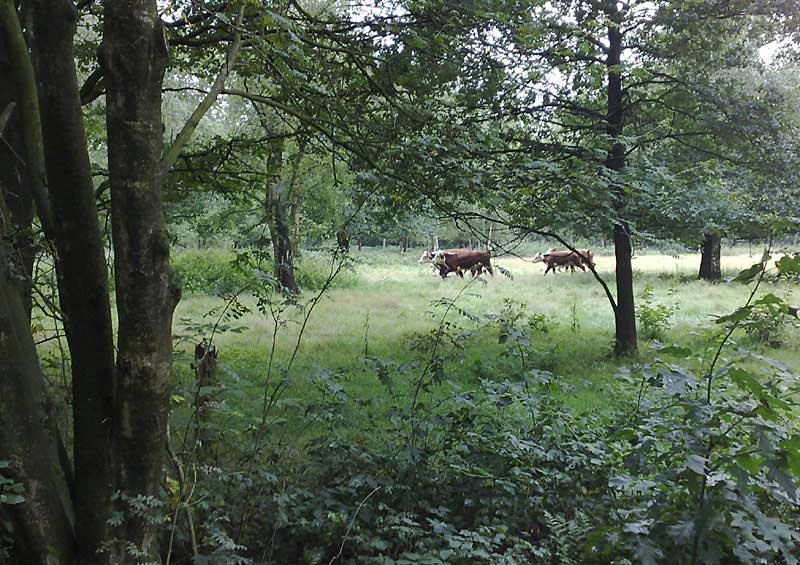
(654, 318)
(215, 271)
(313, 268)
(208, 271)
(766, 324)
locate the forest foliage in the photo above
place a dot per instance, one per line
(242, 149)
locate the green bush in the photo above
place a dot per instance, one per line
(313, 268)
(212, 271)
(208, 271)
(654, 318)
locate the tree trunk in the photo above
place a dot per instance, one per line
(625, 342)
(14, 189)
(277, 218)
(83, 276)
(625, 313)
(295, 202)
(29, 440)
(710, 258)
(205, 371)
(134, 53)
(434, 242)
(28, 106)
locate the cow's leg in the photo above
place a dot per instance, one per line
(550, 266)
(443, 271)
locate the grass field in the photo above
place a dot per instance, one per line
(390, 308)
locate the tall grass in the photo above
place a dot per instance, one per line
(388, 307)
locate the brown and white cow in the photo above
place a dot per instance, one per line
(565, 258)
(460, 260)
(427, 257)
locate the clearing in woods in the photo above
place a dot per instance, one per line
(388, 314)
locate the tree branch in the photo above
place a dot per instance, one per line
(171, 155)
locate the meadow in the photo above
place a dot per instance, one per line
(387, 311)
(421, 420)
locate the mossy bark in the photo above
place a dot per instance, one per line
(29, 440)
(134, 55)
(83, 274)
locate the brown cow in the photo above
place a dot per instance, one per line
(443, 270)
(427, 257)
(566, 258)
(460, 260)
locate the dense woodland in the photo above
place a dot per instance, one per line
(219, 343)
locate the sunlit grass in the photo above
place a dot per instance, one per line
(392, 303)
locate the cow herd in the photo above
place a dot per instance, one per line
(446, 261)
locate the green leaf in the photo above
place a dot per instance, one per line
(787, 265)
(749, 273)
(737, 316)
(770, 299)
(749, 462)
(696, 463)
(792, 448)
(745, 380)
(11, 499)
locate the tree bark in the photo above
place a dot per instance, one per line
(276, 204)
(28, 105)
(710, 258)
(83, 275)
(295, 201)
(29, 440)
(14, 189)
(625, 313)
(134, 53)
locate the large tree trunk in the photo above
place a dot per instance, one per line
(29, 441)
(276, 204)
(28, 106)
(83, 276)
(14, 189)
(710, 258)
(625, 313)
(134, 54)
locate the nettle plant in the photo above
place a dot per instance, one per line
(710, 456)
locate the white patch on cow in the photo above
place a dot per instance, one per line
(426, 257)
(439, 258)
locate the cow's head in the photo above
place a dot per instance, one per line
(538, 258)
(426, 257)
(440, 258)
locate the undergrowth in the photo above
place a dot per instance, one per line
(696, 462)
